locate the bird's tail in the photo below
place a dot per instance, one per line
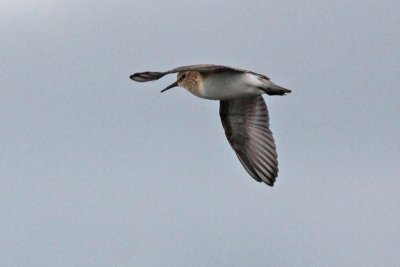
(147, 76)
(273, 89)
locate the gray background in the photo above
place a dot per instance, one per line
(97, 170)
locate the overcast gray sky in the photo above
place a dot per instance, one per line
(97, 170)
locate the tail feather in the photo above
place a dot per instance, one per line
(274, 89)
(147, 76)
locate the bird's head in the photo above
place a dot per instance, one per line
(188, 80)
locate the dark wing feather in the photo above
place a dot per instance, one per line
(246, 124)
(203, 68)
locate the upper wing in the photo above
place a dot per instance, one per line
(246, 124)
(204, 68)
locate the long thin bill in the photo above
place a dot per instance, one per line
(175, 84)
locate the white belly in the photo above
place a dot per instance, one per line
(223, 85)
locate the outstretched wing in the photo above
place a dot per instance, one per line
(246, 124)
(203, 68)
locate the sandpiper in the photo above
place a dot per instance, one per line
(243, 112)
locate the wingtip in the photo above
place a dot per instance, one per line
(269, 183)
(146, 76)
(139, 77)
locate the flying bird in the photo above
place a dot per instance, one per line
(243, 112)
